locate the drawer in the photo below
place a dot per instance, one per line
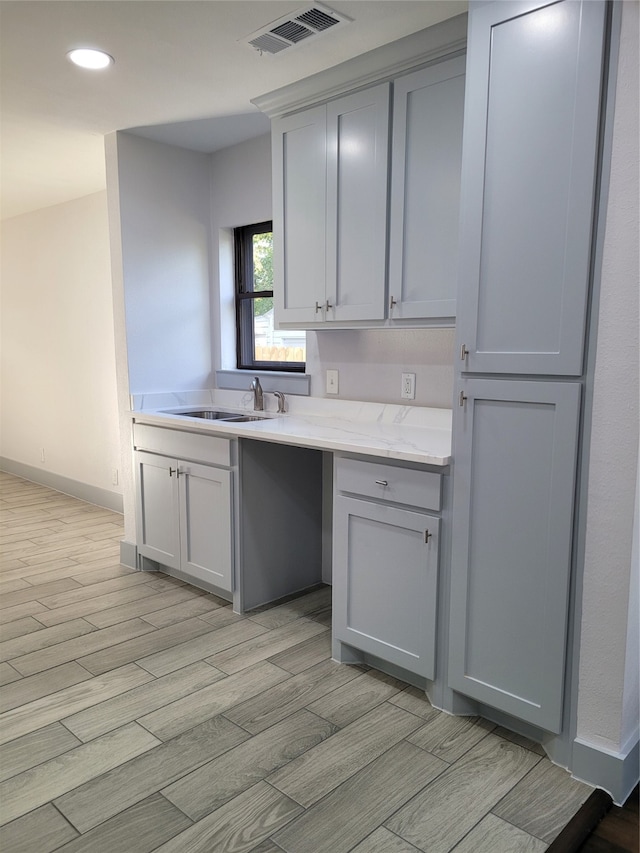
(390, 483)
(196, 447)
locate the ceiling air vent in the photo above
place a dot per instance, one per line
(291, 30)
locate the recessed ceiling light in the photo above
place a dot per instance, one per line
(87, 57)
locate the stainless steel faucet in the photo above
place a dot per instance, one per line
(258, 399)
(281, 401)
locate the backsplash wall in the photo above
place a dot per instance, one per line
(371, 361)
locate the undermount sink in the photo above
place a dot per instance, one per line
(204, 413)
(213, 415)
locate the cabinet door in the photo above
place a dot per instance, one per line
(206, 524)
(515, 446)
(157, 518)
(425, 191)
(385, 580)
(528, 184)
(357, 168)
(299, 211)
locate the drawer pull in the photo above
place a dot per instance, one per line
(382, 483)
(427, 536)
(172, 471)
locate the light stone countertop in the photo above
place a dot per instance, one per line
(406, 433)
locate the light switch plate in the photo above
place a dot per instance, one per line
(332, 381)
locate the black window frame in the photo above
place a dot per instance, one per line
(244, 296)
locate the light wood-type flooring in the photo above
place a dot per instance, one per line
(139, 714)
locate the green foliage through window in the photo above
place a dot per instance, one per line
(259, 344)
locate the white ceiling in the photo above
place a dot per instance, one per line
(176, 61)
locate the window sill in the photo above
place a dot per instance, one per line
(271, 380)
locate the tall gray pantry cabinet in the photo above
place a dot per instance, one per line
(530, 168)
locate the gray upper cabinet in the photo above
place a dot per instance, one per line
(529, 171)
(350, 180)
(515, 459)
(299, 155)
(330, 166)
(425, 191)
(357, 166)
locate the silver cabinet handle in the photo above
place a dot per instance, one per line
(462, 399)
(173, 471)
(328, 305)
(392, 302)
(427, 536)
(381, 483)
(464, 353)
(318, 307)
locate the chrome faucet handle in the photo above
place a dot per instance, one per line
(281, 402)
(258, 400)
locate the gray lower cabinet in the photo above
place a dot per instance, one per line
(157, 509)
(184, 511)
(385, 562)
(515, 447)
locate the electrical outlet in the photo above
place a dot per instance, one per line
(408, 390)
(42, 454)
(114, 476)
(332, 381)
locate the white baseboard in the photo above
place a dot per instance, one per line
(82, 491)
(615, 772)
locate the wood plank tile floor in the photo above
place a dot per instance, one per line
(139, 714)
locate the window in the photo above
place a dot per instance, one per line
(259, 345)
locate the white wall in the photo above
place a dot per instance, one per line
(240, 195)
(608, 683)
(58, 364)
(370, 362)
(165, 238)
